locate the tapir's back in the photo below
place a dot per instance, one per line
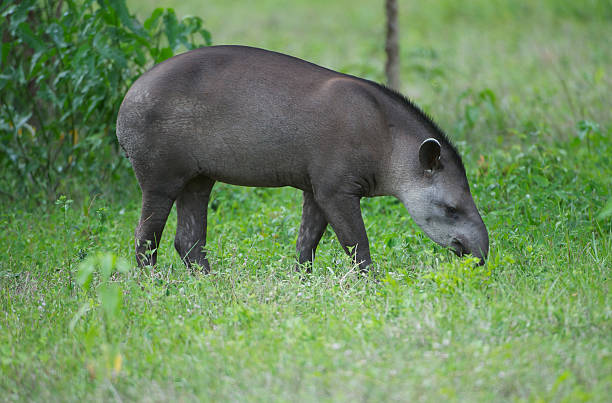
(236, 114)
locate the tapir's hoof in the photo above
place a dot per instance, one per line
(303, 268)
(145, 260)
(371, 273)
(195, 267)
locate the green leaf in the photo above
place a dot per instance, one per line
(488, 95)
(56, 33)
(91, 336)
(164, 54)
(152, 20)
(6, 48)
(122, 265)
(606, 211)
(123, 13)
(471, 114)
(207, 37)
(10, 10)
(85, 273)
(80, 313)
(22, 121)
(106, 266)
(586, 127)
(171, 28)
(110, 298)
(30, 38)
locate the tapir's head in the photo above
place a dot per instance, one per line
(437, 196)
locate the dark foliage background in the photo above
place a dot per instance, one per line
(65, 67)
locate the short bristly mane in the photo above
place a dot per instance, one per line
(424, 118)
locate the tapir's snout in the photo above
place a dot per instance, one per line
(481, 250)
(476, 243)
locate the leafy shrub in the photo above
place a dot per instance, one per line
(65, 67)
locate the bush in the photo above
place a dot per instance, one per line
(65, 67)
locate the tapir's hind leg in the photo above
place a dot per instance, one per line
(192, 208)
(155, 209)
(311, 229)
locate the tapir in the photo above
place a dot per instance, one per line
(252, 117)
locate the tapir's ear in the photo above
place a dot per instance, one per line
(429, 154)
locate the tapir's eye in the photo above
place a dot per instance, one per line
(451, 211)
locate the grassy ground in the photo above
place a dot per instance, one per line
(524, 90)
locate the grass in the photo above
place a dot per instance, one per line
(511, 82)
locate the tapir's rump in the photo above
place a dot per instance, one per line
(251, 117)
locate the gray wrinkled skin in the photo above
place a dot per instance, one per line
(251, 117)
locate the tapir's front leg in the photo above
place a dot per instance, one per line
(344, 215)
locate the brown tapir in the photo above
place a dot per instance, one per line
(252, 117)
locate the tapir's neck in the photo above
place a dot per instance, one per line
(400, 169)
(407, 127)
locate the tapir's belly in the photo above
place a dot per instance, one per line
(248, 149)
(249, 159)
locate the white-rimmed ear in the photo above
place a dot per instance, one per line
(429, 154)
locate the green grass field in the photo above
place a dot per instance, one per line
(524, 88)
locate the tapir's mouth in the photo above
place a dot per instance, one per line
(457, 247)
